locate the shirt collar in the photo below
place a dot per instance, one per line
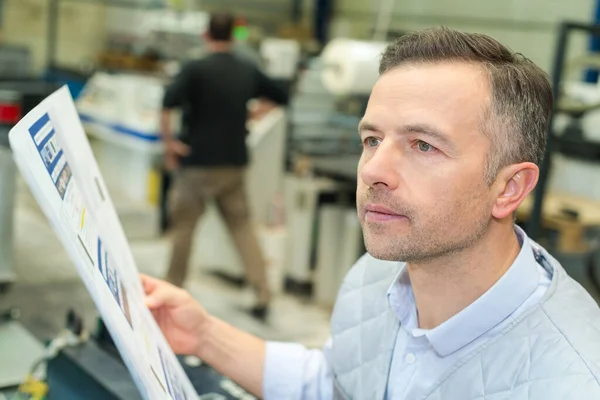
(495, 305)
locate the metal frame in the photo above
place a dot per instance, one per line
(565, 29)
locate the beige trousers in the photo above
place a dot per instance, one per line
(191, 189)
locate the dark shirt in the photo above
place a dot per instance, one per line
(213, 93)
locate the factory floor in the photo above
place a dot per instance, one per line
(48, 286)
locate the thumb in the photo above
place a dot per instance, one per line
(165, 297)
(148, 283)
(153, 301)
(183, 149)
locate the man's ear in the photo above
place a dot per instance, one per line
(515, 182)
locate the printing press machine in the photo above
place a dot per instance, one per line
(17, 97)
(75, 373)
(93, 369)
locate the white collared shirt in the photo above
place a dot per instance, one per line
(420, 357)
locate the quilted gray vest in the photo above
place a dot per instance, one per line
(550, 352)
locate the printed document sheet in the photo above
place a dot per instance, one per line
(56, 160)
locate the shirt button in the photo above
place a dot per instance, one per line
(410, 358)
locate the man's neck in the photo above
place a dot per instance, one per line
(444, 287)
(218, 46)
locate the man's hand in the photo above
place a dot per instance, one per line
(173, 150)
(182, 319)
(260, 108)
(190, 330)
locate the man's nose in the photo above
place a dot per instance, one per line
(380, 170)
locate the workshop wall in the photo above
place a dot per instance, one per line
(81, 30)
(527, 26)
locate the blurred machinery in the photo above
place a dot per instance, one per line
(564, 210)
(323, 151)
(14, 64)
(10, 112)
(121, 114)
(73, 373)
(18, 94)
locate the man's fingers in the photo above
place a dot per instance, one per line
(165, 296)
(146, 279)
(158, 298)
(155, 314)
(160, 293)
(154, 302)
(171, 162)
(182, 149)
(149, 283)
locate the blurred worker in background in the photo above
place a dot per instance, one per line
(453, 301)
(210, 157)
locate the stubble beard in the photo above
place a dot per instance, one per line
(418, 247)
(423, 241)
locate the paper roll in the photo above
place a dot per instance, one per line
(351, 67)
(280, 56)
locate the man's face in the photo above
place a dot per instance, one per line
(421, 189)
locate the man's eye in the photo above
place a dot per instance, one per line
(372, 141)
(425, 147)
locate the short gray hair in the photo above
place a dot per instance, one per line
(517, 118)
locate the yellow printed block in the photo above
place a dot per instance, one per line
(82, 218)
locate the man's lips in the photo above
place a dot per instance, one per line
(380, 213)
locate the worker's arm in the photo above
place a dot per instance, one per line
(295, 372)
(175, 96)
(234, 353)
(269, 370)
(166, 125)
(173, 147)
(260, 108)
(269, 90)
(177, 93)
(269, 94)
